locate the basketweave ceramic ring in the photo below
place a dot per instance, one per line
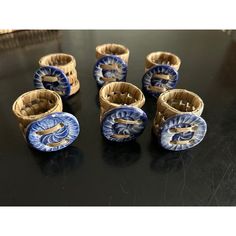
(112, 63)
(121, 116)
(156, 81)
(42, 122)
(178, 122)
(57, 72)
(162, 58)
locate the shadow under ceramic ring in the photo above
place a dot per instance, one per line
(124, 123)
(52, 78)
(53, 132)
(182, 131)
(109, 68)
(159, 79)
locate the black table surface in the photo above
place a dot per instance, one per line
(93, 171)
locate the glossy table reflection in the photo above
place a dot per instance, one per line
(95, 172)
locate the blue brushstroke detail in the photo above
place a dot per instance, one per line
(99, 72)
(111, 127)
(62, 85)
(148, 79)
(69, 131)
(182, 121)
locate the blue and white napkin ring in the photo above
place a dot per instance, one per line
(52, 78)
(121, 116)
(57, 72)
(42, 122)
(178, 123)
(159, 79)
(162, 78)
(112, 63)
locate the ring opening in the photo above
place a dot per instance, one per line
(182, 101)
(112, 49)
(166, 58)
(56, 60)
(36, 102)
(121, 93)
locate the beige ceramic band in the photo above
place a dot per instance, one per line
(113, 49)
(174, 102)
(160, 58)
(67, 64)
(34, 105)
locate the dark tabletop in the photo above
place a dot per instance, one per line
(94, 172)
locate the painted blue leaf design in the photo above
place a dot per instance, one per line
(111, 128)
(118, 75)
(66, 131)
(149, 79)
(167, 138)
(61, 86)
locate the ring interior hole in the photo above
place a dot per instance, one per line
(51, 130)
(110, 66)
(186, 128)
(36, 105)
(184, 104)
(62, 142)
(115, 66)
(121, 98)
(48, 78)
(164, 59)
(113, 50)
(58, 60)
(127, 121)
(185, 142)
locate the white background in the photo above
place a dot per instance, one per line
(120, 14)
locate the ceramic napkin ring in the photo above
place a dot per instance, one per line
(57, 72)
(112, 63)
(161, 73)
(178, 122)
(42, 122)
(121, 116)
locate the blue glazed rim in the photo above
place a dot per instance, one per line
(159, 69)
(137, 112)
(32, 129)
(186, 119)
(103, 60)
(62, 79)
